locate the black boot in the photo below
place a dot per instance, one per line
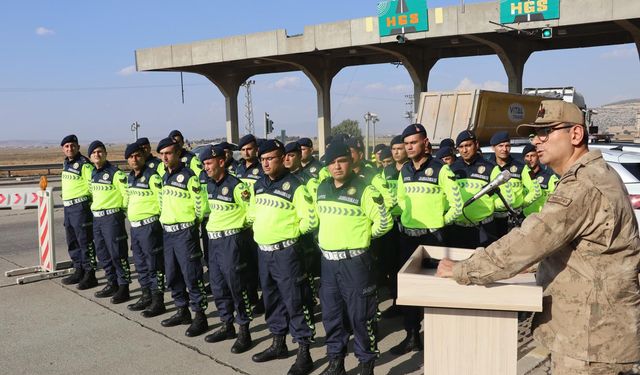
(277, 350)
(143, 302)
(393, 311)
(366, 368)
(335, 367)
(198, 326)
(122, 295)
(243, 342)
(109, 290)
(227, 331)
(258, 309)
(411, 343)
(303, 364)
(75, 277)
(88, 281)
(182, 316)
(157, 305)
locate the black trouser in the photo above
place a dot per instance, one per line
(471, 237)
(414, 315)
(228, 271)
(148, 255)
(110, 238)
(182, 259)
(386, 252)
(78, 226)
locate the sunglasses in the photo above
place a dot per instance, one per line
(543, 133)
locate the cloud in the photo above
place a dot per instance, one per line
(620, 53)
(467, 85)
(127, 70)
(43, 31)
(406, 89)
(375, 86)
(287, 83)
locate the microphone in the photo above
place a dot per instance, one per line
(500, 180)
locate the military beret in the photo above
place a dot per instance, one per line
(397, 140)
(465, 135)
(444, 151)
(131, 148)
(447, 142)
(413, 129)
(228, 146)
(341, 137)
(94, 145)
(210, 152)
(164, 143)
(292, 147)
(246, 140)
(269, 145)
(327, 141)
(143, 141)
(355, 143)
(527, 149)
(336, 150)
(174, 133)
(305, 142)
(385, 153)
(499, 137)
(378, 147)
(71, 138)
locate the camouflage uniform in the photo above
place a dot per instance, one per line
(586, 238)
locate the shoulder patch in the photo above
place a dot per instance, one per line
(196, 189)
(308, 198)
(559, 200)
(245, 195)
(378, 199)
(158, 185)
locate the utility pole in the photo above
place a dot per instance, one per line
(409, 112)
(134, 128)
(368, 117)
(248, 107)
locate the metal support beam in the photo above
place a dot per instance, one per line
(513, 54)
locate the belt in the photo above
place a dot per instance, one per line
(342, 254)
(278, 245)
(471, 225)
(504, 214)
(179, 226)
(418, 232)
(71, 202)
(223, 233)
(149, 220)
(102, 213)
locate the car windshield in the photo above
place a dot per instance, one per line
(633, 168)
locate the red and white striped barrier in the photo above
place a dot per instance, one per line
(47, 267)
(19, 198)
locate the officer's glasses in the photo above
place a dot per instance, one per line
(543, 133)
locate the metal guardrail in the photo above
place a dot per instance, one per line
(48, 167)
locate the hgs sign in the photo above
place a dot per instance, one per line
(515, 11)
(402, 16)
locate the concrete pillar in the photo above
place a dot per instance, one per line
(513, 55)
(229, 86)
(633, 30)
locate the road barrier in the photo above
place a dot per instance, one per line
(47, 267)
(19, 198)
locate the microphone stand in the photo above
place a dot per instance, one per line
(515, 218)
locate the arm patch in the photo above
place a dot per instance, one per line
(553, 198)
(245, 195)
(378, 199)
(196, 189)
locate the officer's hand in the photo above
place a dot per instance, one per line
(445, 268)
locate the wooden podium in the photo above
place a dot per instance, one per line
(467, 329)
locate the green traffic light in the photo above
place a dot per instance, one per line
(547, 33)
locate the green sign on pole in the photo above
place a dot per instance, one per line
(515, 11)
(402, 16)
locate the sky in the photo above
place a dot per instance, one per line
(69, 67)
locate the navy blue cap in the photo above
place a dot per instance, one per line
(292, 147)
(445, 151)
(174, 133)
(447, 142)
(210, 152)
(228, 146)
(340, 137)
(465, 135)
(71, 138)
(246, 140)
(131, 148)
(336, 150)
(143, 141)
(499, 137)
(94, 145)
(378, 147)
(355, 143)
(397, 140)
(306, 142)
(528, 148)
(385, 153)
(164, 143)
(413, 129)
(269, 145)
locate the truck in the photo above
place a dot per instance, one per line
(446, 114)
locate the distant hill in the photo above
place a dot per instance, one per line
(619, 118)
